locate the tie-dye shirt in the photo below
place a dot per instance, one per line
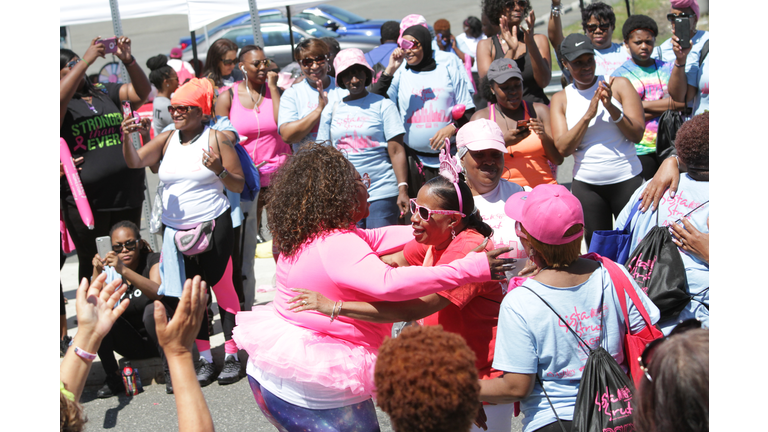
(651, 84)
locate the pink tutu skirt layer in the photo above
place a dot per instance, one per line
(291, 352)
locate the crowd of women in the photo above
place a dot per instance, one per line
(394, 201)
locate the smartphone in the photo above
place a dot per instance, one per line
(127, 112)
(523, 124)
(110, 45)
(683, 31)
(103, 245)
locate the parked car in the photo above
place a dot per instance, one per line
(240, 19)
(277, 44)
(341, 21)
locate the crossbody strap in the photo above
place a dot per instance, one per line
(622, 284)
(550, 402)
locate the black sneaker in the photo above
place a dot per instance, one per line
(113, 386)
(205, 372)
(230, 373)
(64, 345)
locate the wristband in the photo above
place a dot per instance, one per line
(402, 184)
(87, 65)
(677, 65)
(85, 355)
(133, 60)
(620, 117)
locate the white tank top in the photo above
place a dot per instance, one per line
(605, 156)
(192, 193)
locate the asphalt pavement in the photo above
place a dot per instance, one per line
(232, 406)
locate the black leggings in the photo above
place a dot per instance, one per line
(601, 202)
(85, 239)
(126, 340)
(650, 163)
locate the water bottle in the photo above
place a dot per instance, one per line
(131, 380)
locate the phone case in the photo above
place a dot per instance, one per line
(103, 245)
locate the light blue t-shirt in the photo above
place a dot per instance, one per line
(532, 340)
(690, 194)
(701, 82)
(300, 100)
(425, 100)
(609, 59)
(453, 61)
(691, 61)
(361, 129)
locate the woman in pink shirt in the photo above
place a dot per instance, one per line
(304, 369)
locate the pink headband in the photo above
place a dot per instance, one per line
(450, 168)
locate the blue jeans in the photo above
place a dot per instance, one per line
(383, 212)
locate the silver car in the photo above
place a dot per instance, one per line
(277, 43)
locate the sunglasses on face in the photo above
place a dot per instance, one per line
(647, 357)
(228, 62)
(592, 27)
(409, 44)
(72, 63)
(511, 4)
(308, 62)
(181, 109)
(131, 245)
(425, 213)
(261, 63)
(671, 17)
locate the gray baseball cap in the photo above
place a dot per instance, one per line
(502, 70)
(575, 45)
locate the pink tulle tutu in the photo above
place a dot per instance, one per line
(291, 352)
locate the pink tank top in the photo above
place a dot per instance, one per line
(526, 162)
(258, 127)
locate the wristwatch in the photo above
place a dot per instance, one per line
(223, 174)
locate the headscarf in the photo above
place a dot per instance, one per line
(682, 4)
(196, 92)
(421, 34)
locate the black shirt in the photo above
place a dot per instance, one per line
(95, 133)
(138, 301)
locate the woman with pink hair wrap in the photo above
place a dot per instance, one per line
(197, 164)
(665, 52)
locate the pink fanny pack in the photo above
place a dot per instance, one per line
(196, 240)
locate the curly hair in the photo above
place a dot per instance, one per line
(692, 142)
(71, 415)
(445, 192)
(639, 22)
(599, 10)
(313, 193)
(426, 380)
(494, 9)
(677, 400)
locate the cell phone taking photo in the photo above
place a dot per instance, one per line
(523, 124)
(683, 31)
(110, 44)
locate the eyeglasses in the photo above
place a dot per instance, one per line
(181, 109)
(592, 27)
(519, 231)
(308, 62)
(409, 44)
(131, 245)
(647, 357)
(72, 63)
(671, 17)
(511, 4)
(425, 213)
(228, 62)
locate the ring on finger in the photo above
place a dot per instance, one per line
(304, 303)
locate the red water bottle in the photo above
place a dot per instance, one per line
(131, 380)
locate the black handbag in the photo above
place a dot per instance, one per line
(658, 269)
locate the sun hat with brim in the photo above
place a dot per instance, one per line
(347, 58)
(547, 212)
(481, 134)
(574, 45)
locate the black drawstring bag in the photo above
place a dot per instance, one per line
(669, 122)
(657, 267)
(604, 400)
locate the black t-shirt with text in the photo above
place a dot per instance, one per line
(95, 134)
(138, 301)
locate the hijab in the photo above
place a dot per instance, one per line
(422, 35)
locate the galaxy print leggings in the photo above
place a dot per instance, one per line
(287, 417)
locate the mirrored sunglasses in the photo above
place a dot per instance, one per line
(409, 44)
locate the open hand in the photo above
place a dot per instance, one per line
(530, 21)
(322, 98)
(177, 335)
(606, 93)
(509, 35)
(95, 304)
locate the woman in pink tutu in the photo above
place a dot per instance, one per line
(305, 370)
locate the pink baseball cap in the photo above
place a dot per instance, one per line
(547, 212)
(409, 21)
(347, 58)
(175, 53)
(481, 134)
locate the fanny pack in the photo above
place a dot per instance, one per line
(196, 240)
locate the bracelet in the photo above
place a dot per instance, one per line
(556, 10)
(402, 184)
(334, 312)
(620, 117)
(677, 65)
(133, 60)
(87, 65)
(85, 355)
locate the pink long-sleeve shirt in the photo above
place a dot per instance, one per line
(345, 265)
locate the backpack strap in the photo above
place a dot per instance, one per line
(550, 402)
(704, 52)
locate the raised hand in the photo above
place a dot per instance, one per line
(95, 304)
(177, 335)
